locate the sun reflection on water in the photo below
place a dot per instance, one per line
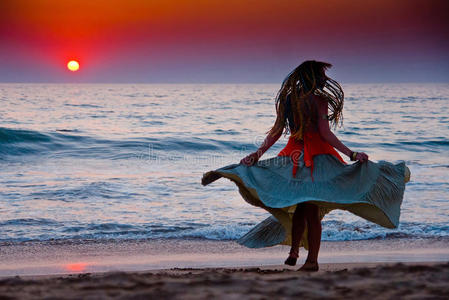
(76, 267)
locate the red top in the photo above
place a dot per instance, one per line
(312, 144)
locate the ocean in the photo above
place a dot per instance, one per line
(124, 161)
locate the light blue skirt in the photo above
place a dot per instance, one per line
(373, 191)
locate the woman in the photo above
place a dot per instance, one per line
(309, 178)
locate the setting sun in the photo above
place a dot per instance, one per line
(73, 65)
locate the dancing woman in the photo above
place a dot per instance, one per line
(308, 178)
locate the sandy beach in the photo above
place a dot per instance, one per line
(198, 269)
(392, 281)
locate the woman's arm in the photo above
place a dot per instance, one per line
(329, 136)
(252, 158)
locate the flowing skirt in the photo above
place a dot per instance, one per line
(373, 191)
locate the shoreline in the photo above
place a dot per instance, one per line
(77, 257)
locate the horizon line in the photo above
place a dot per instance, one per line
(211, 83)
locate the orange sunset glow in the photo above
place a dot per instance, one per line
(182, 40)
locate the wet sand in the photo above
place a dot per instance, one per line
(193, 269)
(65, 257)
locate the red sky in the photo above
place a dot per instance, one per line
(222, 41)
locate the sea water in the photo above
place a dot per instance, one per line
(83, 162)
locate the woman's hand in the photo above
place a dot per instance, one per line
(250, 160)
(361, 156)
(267, 143)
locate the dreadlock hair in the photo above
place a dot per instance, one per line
(295, 108)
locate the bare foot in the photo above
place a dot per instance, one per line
(309, 267)
(291, 259)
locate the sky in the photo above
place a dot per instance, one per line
(222, 41)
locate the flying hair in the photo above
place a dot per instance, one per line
(295, 106)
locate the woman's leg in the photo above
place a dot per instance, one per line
(298, 226)
(314, 236)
